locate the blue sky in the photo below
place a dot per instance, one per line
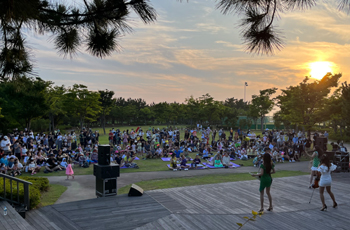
(193, 49)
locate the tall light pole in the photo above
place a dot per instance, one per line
(245, 84)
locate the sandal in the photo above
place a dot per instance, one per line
(261, 210)
(270, 209)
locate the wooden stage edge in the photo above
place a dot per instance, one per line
(212, 206)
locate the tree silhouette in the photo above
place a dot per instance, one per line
(95, 24)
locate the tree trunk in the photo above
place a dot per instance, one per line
(81, 123)
(335, 127)
(53, 123)
(50, 122)
(103, 121)
(262, 123)
(28, 123)
(341, 131)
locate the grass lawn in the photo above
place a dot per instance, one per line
(200, 180)
(52, 195)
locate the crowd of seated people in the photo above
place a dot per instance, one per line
(23, 151)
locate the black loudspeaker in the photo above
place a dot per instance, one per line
(341, 159)
(106, 171)
(330, 156)
(106, 187)
(322, 142)
(135, 190)
(104, 154)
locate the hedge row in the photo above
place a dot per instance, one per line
(39, 185)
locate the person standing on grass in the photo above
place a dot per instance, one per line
(266, 169)
(69, 170)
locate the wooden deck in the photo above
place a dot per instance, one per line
(218, 206)
(221, 206)
(120, 212)
(12, 221)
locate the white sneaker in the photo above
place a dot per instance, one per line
(293, 160)
(186, 169)
(290, 161)
(174, 169)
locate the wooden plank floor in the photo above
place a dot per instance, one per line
(12, 221)
(216, 206)
(120, 212)
(221, 206)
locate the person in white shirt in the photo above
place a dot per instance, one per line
(5, 144)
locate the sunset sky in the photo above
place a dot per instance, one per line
(193, 49)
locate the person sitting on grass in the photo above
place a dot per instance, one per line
(81, 159)
(3, 160)
(16, 171)
(244, 156)
(226, 160)
(296, 156)
(173, 162)
(52, 164)
(196, 161)
(11, 163)
(177, 152)
(216, 159)
(183, 163)
(33, 168)
(94, 156)
(64, 163)
(206, 154)
(3, 168)
(128, 159)
(119, 160)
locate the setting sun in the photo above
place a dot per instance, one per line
(319, 69)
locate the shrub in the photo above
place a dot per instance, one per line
(39, 185)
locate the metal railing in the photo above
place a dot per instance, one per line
(13, 199)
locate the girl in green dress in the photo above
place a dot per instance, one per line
(315, 163)
(266, 169)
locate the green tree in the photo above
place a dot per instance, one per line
(55, 101)
(334, 111)
(106, 100)
(258, 30)
(83, 103)
(96, 25)
(262, 104)
(303, 104)
(253, 113)
(243, 123)
(23, 100)
(240, 105)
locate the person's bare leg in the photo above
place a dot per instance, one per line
(311, 177)
(269, 196)
(331, 194)
(262, 200)
(322, 196)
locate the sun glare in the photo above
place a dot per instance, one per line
(319, 69)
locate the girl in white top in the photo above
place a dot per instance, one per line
(325, 169)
